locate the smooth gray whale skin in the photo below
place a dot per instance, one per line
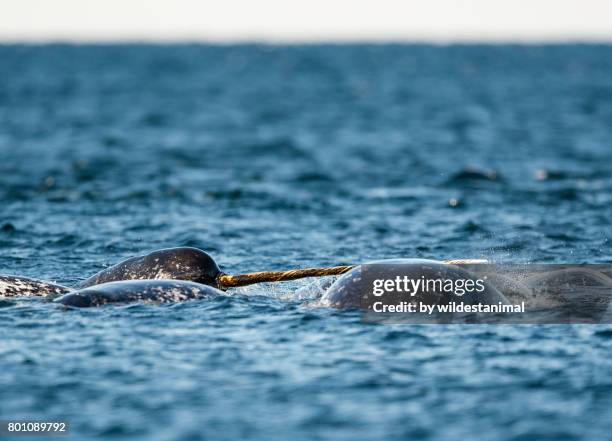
(17, 286)
(183, 263)
(143, 291)
(346, 292)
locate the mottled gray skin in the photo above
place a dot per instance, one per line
(134, 291)
(182, 263)
(579, 289)
(346, 292)
(570, 277)
(16, 286)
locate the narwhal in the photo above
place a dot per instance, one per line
(348, 292)
(180, 270)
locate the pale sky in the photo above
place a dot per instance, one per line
(306, 20)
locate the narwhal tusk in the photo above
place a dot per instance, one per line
(229, 281)
(233, 281)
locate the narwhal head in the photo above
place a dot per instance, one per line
(192, 264)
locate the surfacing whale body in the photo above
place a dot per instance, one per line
(143, 291)
(17, 286)
(182, 263)
(347, 292)
(579, 290)
(162, 276)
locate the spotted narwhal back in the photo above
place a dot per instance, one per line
(133, 291)
(16, 286)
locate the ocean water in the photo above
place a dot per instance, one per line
(273, 157)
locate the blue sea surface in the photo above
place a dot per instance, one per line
(274, 157)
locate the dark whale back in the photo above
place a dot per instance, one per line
(184, 263)
(132, 291)
(346, 292)
(16, 286)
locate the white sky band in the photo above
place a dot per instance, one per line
(314, 20)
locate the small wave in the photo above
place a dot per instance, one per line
(544, 174)
(8, 228)
(472, 174)
(604, 333)
(471, 227)
(7, 303)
